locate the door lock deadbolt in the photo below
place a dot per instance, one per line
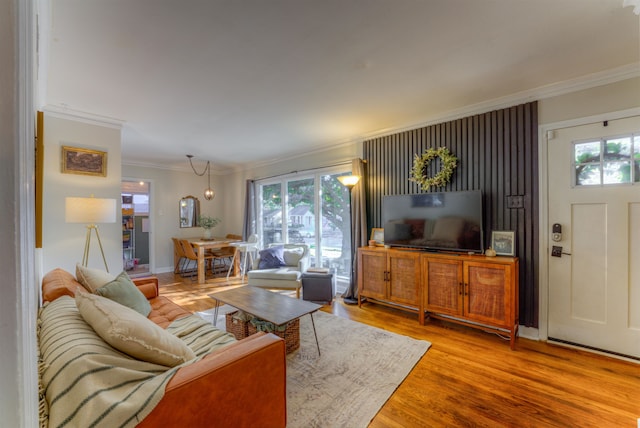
(556, 232)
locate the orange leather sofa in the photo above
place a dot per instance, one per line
(240, 385)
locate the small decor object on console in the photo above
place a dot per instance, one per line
(377, 236)
(490, 252)
(504, 242)
(419, 172)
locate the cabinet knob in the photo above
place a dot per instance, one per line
(460, 287)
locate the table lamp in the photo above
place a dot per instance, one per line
(90, 211)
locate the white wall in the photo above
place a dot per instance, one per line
(19, 302)
(167, 188)
(10, 351)
(62, 243)
(618, 96)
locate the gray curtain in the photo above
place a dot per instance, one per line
(359, 227)
(249, 226)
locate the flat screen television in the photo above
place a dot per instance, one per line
(446, 221)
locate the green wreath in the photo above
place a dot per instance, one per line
(421, 165)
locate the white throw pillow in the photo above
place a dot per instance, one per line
(92, 279)
(131, 333)
(292, 256)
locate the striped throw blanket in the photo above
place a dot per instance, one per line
(84, 382)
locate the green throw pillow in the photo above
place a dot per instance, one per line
(125, 292)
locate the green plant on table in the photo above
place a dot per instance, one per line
(208, 222)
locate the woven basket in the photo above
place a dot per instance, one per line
(291, 334)
(237, 327)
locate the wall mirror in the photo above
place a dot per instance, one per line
(189, 210)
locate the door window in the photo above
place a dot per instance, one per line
(612, 160)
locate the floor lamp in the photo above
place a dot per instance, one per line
(349, 181)
(90, 211)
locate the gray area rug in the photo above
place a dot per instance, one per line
(358, 370)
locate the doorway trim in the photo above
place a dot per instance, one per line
(545, 133)
(152, 244)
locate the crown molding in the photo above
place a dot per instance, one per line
(588, 81)
(306, 153)
(628, 71)
(625, 72)
(138, 164)
(63, 112)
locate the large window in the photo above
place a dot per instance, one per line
(316, 209)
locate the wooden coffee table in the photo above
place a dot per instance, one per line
(266, 305)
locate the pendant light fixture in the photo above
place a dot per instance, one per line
(209, 193)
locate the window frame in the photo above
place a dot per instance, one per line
(283, 181)
(602, 161)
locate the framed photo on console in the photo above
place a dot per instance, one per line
(504, 242)
(377, 235)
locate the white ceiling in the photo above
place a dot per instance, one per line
(243, 82)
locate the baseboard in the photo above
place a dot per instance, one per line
(530, 333)
(605, 353)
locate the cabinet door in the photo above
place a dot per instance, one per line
(487, 293)
(443, 281)
(372, 268)
(404, 278)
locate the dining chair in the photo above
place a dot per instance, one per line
(225, 254)
(246, 250)
(179, 255)
(191, 255)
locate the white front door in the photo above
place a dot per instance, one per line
(594, 195)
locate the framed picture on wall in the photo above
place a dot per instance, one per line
(504, 242)
(84, 161)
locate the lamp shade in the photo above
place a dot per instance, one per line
(90, 210)
(349, 180)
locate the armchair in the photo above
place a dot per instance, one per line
(287, 277)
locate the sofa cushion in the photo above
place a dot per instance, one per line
(281, 273)
(292, 256)
(164, 311)
(123, 291)
(57, 283)
(92, 279)
(272, 257)
(131, 333)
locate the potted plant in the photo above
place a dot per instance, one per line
(207, 223)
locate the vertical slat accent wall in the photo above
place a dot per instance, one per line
(497, 153)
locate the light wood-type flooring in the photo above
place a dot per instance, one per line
(469, 378)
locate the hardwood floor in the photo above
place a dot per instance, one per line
(471, 378)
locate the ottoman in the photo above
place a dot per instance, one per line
(318, 287)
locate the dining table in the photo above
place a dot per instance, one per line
(201, 245)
